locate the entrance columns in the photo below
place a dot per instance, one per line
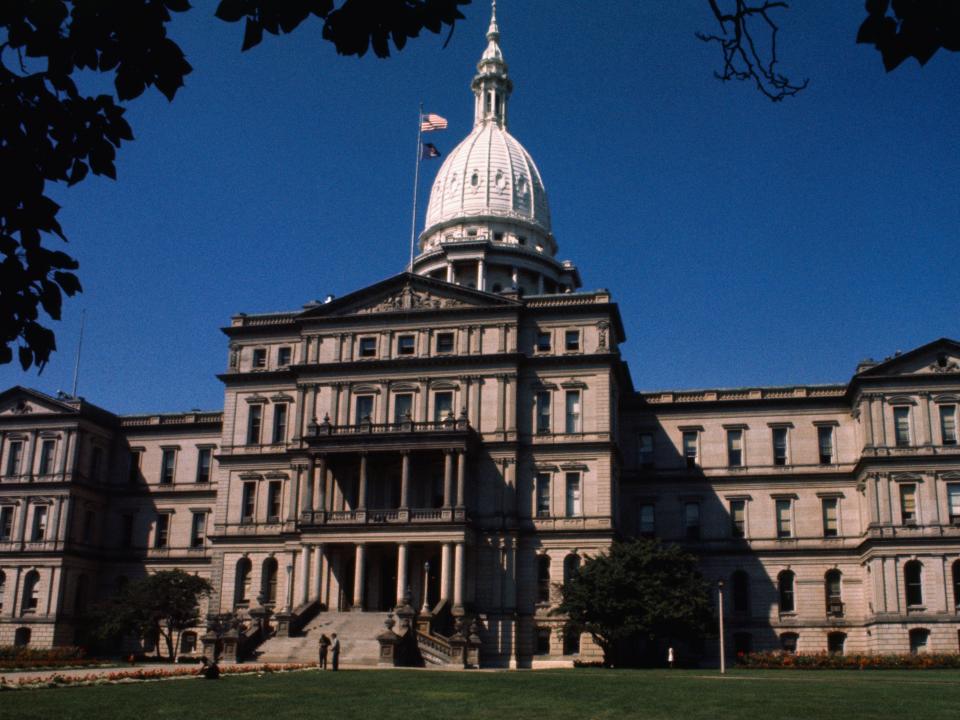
(461, 477)
(445, 574)
(447, 478)
(318, 571)
(362, 489)
(403, 557)
(459, 576)
(404, 479)
(321, 484)
(358, 573)
(308, 486)
(304, 572)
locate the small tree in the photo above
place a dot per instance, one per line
(636, 596)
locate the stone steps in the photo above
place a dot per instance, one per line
(357, 632)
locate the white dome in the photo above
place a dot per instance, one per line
(489, 174)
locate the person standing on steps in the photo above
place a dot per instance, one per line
(336, 652)
(324, 646)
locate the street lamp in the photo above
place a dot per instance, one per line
(426, 587)
(723, 659)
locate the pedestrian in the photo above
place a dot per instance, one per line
(670, 657)
(336, 652)
(324, 646)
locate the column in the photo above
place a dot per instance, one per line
(64, 446)
(481, 275)
(290, 587)
(362, 489)
(317, 588)
(926, 433)
(311, 409)
(501, 402)
(449, 272)
(445, 575)
(866, 418)
(308, 485)
(404, 479)
(322, 483)
(301, 407)
(22, 520)
(31, 451)
(447, 478)
(458, 576)
(403, 560)
(461, 477)
(508, 597)
(511, 398)
(358, 573)
(295, 494)
(304, 580)
(54, 530)
(335, 403)
(540, 284)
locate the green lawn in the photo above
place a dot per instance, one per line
(545, 695)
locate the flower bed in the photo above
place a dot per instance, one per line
(26, 658)
(827, 661)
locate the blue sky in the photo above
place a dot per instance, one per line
(748, 243)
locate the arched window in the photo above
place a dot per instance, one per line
(31, 592)
(918, 640)
(543, 579)
(831, 587)
(21, 638)
(788, 642)
(3, 587)
(956, 585)
(241, 591)
(571, 566)
(913, 583)
(785, 589)
(268, 582)
(741, 592)
(836, 642)
(80, 595)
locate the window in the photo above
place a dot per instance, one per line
(648, 520)
(918, 641)
(543, 341)
(788, 642)
(734, 448)
(126, 531)
(908, 504)
(543, 641)
(403, 408)
(543, 494)
(168, 465)
(21, 638)
(836, 642)
(31, 592)
(6, 523)
(571, 567)
(953, 500)
(738, 518)
(901, 425)
(204, 456)
(3, 588)
(161, 537)
(89, 517)
(543, 411)
(279, 423)
(690, 448)
(46, 456)
(574, 505)
(779, 446)
(254, 421)
(785, 591)
(691, 516)
(198, 530)
(96, 463)
(783, 518)
(406, 344)
(274, 494)
(368, 347)
(284, 356)
(442, 406)
(956, 584)
(948, 424)
(13, 457)
(829, 512)
(571, 341)
(39, 530)
(913, 583)
(259, 358)
(133, 472)
(831, 586)
(741, 592)
(248, 502)
(543, 578)
(825, 443)
(241, 587)
(645, 456)
(445, 342)
(188, 642)
(573, 411)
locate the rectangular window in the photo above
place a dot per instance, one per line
(574, 505)
(953, 500)
(204, 456)
(543, 411)
(168, 465)
(284, 356)
(901, 425)
(363, 409)
(908, 504)
(543, 341)
(543, 494)
(6, 523)
(948, 424)
(254, 421)
(198, 530)
(406, 345)
(784, 529)
(734, 448)
(645, 450)
(13, 457)
(259, 358)
(161, 538)
(248, 502)
(691, 516)
(46, 456)
(96, 463)
(442, 406)
(274, 495)
(368, 347)
(403, 408)
(39, 531)
(279, 423)
(648, 524)
(88, 519)
(571, 341)
(830, 527)
(126, 531)
(133, 472)
(573, 411)
(825, 444)
(738, 518)
(779, 446)
(445, 342)
(690, 448)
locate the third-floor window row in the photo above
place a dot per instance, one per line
(169, 466)
(912, 426)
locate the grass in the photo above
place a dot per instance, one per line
(545, 695)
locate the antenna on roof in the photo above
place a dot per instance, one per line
(76, 367)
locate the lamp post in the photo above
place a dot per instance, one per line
(723, 659)
(426, 587)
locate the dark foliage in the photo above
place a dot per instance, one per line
(911, 28)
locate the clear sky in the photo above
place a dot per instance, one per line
(748, 243)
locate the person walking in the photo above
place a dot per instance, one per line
(670, 657)
(324, 647)
(336, 652)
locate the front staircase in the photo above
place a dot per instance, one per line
(357, 632)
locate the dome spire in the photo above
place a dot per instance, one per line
(491, 85)
(493, 32)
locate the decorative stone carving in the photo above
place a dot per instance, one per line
(602, 328)
(409, 299)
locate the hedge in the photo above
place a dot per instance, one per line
(836, 661)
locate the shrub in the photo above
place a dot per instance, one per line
(54, 655)
(827, 661)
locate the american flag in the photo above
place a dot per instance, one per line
(430, 122)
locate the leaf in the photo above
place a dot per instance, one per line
(69, 282)
(252, 35)
(231, 10)
(78, 172)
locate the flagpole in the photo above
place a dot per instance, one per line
(416, 186)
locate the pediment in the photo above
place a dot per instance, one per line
(23, 402)
(941, 357)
